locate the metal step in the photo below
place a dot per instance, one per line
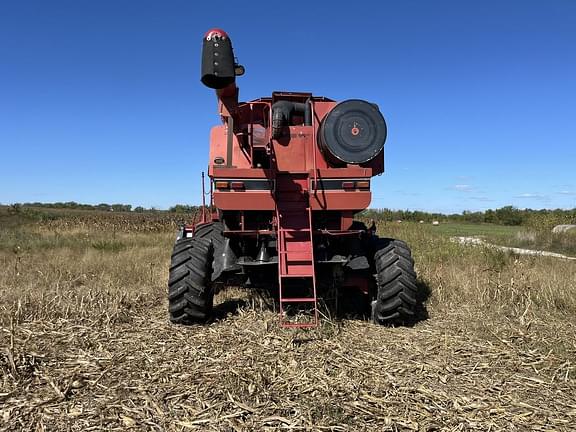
(297, 255)
(295, 247)
(298, 300)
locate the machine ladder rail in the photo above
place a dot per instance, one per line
(295, 258)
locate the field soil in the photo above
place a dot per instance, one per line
(86, 344)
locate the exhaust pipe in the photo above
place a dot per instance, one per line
(282, 112)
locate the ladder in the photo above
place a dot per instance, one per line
(295, 248)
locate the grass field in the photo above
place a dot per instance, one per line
(468, 229)
(86, 344)
(514, 236)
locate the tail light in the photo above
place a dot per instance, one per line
(348, 185)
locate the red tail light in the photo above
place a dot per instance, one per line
(348, 185)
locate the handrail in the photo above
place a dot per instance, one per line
(314, 147)
(203, 200)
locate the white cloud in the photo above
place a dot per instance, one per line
(535, 196)
(481, 198)
(463, 187)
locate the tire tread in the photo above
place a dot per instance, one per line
(396, 299)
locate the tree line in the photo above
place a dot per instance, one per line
(178, 208)
(507, 215)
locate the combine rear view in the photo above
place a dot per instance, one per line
(288, 174)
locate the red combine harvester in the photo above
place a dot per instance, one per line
(288, 173)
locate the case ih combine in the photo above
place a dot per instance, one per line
(288, 173)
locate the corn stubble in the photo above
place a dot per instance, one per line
(86, 344)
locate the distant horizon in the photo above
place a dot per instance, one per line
(200, 204)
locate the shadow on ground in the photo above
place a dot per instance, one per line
(423, 294)
(227, 308)
(351, 305)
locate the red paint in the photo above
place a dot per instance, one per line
(291, 164)
(215, 32)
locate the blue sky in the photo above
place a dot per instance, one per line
(100, 101)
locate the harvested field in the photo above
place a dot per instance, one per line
(86, 345)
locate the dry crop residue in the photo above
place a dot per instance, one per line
(243, 373)
(85, 344)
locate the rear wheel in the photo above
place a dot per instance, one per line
(213, 231)
(396, 298)
(190, 295)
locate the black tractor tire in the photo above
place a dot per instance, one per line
(397, 293)
(213, 231)
(190, 294)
